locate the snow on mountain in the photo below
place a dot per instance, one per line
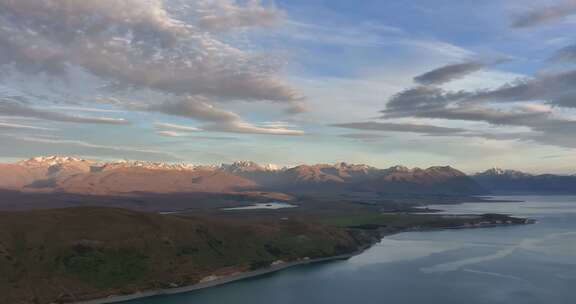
(249, 166)
(52, 160)
(145, 165)
(82, 176)
(498, 172)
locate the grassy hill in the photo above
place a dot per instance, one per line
(57, 256)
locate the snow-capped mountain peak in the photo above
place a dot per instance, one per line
(148, 165)
(52, 160)
(502, 172)
(249, 166)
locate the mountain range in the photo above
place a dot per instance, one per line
(501, 181)
(75, 175)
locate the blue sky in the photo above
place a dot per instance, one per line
(295, 81)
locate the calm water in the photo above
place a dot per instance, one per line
(521, 264)
(269, 206)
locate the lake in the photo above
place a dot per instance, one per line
(515, 264)
(263, 206)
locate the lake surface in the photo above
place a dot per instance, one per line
(516, 264)
(260, 206)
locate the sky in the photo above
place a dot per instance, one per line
(467, 83)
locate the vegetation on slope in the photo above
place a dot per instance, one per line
(67, 255)
(57, 256)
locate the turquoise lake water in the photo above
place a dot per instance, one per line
(517, 264)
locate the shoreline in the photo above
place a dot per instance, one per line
(221, 281)
(268, 270)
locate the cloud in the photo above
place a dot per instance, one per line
(544, 15)
(356, 35)
(402, 127)
(423, 98)
(567, 54)
(364, 137)
(296, 108)
(445, 49)
(450, 72)
(172, 134)
(532, 103)
(545, 127)
(555, 133)
(174, 130)
(57, 27)
(225, 15)
(13, 126)
(40, 59)
(217, 120)
(175, 127)
(276, 124)
(84, 109)
(526, 115)
(195, 108)
(248, 128)
(155, 45)
(558, 89)
(366, 34)
(12, 108)
(26, 146)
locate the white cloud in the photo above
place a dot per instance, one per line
(85, 109)
(13, 126)
(216, 119)
(248, 128)
(13, 108)
(176, 127)
(226, 15)
(141, 44)
(172, 134)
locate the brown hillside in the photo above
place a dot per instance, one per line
(128, 180)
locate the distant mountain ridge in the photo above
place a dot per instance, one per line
(497, 172)
(501, 181)
(75, 175)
